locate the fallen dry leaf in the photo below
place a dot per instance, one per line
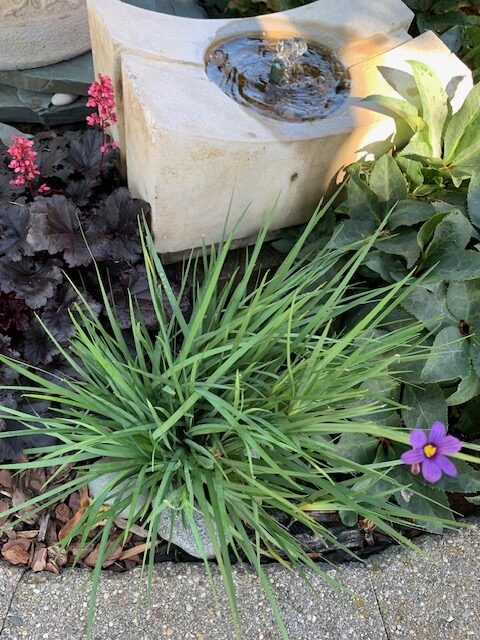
(39, 561)
(17, 551)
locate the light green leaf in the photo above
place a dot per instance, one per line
(473, 199)
(434, 103)
(394, 108)
(449, 358)
(427, 229)
(387, 181)
(462, 130)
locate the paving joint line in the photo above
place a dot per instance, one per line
(372, 583)
(10, 602)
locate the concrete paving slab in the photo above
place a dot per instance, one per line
(9, 579)
(183, 608)
(433, 597)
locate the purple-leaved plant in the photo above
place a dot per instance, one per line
(429, 452)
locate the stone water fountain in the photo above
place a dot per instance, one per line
(221, 119)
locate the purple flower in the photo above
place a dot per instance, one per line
(431, 451)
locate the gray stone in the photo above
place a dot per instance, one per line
(9, 579)
(98, 484)
(182, 8)
(183, 537)
(62, 99)
(19, 105)
(71, 76)
(6, 133)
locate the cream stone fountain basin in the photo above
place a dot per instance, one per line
(34, 33)
(208, 164)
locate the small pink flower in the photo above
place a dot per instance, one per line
(43, 188)
(102, 98)
(23, 161)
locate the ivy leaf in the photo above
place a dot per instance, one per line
(473, 199)
(402, 243)
(463, 301)
(34, 281)
(409, 212)
(14, 226)
(390, 268)
(449, 357)
(350, 231)
(56, 228)
(425, 406)
(468, 388)
(429, 305)
(361, 202)
(388, 182)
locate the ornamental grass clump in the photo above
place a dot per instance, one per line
(232, 409)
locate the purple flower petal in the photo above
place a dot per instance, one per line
(431, 471)
(414, 456)
(418, 439)
(437, 432)
(446, 465)
(449, 444)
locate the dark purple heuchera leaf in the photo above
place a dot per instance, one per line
(118, 219)
(135, 281)
(56, 315)
(12, 448)
(8, 192)
(7, 374)
(84, 154)
(14, 226)
(37, 346)
(55, 227)
(14, 314)
(34, 281)
(80, 191)
(52, 153)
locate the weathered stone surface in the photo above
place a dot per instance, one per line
(34, 33)
(70, 76)
(207, 164)
(182, 8)
(183, 606)
(183, 537)
(28, 106)
(97, 485)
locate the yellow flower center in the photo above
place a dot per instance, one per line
(429, 450)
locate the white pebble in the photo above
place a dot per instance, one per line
(62, 99)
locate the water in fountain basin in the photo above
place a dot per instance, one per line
(285, 79)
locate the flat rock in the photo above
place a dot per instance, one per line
(183, 537)
(20, 105)
(71, 76)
